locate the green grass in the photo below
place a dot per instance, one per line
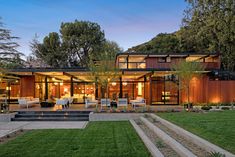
(216, 127)
(99, 139)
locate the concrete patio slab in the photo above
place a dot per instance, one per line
(10, 127)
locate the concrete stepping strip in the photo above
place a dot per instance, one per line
(148, 143)
(179, 148)
(193, 138)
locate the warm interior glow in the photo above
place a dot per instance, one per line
(124, 83)
(139, 88)
(114, 83)
(65, 89)
(8, 88)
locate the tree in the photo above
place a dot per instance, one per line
(81, 39)
(9, 56)
(210, 26)
(73, 47)
(102, 66)
(186, 71)
(50, 51)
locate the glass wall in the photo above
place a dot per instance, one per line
(82, 91)
(165, 90)
(130, 90)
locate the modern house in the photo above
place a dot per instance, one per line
(142, 75)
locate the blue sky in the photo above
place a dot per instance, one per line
(128, 22)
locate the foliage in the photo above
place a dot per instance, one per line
(102, 66)
(9, 56)
(162, 43)
(216, 127)
(74, 45)
(99, 139)
(210, 26)
(50, 51)
(206, 108)
(216, 154)
(186, 71)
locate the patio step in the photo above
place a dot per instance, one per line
(52, 116)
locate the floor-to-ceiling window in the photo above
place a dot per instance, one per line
(165, 90)
(82, 91)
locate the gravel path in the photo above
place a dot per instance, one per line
(166, 150)
(197, 150)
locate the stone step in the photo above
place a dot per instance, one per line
(51, 119)
(53, 112)
(51, 115)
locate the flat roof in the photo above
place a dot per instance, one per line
(167, 54)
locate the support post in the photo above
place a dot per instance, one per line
(71, 86)
(46, 89)
(120, 86)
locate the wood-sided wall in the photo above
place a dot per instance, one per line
(27, 87)
(203, 90)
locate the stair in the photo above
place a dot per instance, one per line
(52, 116)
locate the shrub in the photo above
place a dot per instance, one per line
(225, 108)
(206, 108)
(216, 154)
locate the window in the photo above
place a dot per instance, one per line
(162, 60)
(168, 59)
(211, 59)
(194, 59)
(123, 65)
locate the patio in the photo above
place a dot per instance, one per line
(81, 107)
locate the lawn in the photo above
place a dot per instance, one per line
(99, 139)
(216, 127)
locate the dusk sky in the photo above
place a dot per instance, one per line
(128, 22)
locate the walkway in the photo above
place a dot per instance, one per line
(10, 127)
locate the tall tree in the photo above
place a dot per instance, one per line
(80, 40)
(73, 47)
(209, 25)
(50, 51)
(9, 56)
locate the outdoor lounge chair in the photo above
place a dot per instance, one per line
(64, 102)
(89, 102)
(105, 103)
(28, 102)
(138, 102)
(122, 102)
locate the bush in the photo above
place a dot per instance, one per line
(216, 154)
(225, 108)
(206, 108)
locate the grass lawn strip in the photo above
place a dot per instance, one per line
(216, 127)
(98, 139)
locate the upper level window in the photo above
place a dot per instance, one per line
(194, 59)
(161, 59)
(211, 59)
(132, 62)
